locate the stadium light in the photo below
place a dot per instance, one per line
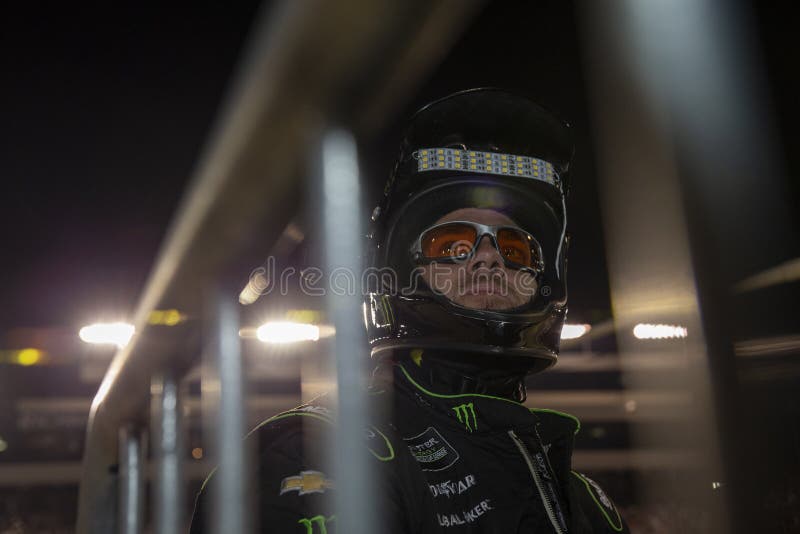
(659, 331)
(118, 334)
(574, 331)
(287, 332)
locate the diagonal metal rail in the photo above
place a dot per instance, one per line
(308, 64)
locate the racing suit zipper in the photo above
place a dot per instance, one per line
(548, 498)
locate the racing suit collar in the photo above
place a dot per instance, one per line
(451, 373)
(470, 412)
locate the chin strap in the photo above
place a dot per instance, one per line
(457, 374)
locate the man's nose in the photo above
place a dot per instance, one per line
(486, 254)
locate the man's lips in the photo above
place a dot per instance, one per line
(485, 289)
(485, 283)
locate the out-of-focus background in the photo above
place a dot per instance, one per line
(105, 114)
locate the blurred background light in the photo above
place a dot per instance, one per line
(26, 356)
(574, 331)
(287, 332)
(29, 356)
(118, 334)
(3, 445)
(166, 317)
(658, 331)
(197, 453)
(255, 287)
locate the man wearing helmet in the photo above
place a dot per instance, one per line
(472, 225)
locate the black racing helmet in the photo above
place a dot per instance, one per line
(481, 148)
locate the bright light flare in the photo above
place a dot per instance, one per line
(659, 331)
(287, 332)
(574, 331)
(118, 334)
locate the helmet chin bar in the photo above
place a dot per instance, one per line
(537, 363)
(396, 323)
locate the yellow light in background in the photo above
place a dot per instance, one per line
(166, 317)
(304, 316)
(118, 334)
(197, 453)
(29, 356)
(574, 331)
(659, 331)
(287, 332)
(3, 445)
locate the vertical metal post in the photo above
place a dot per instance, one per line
(224, 381)
(341, 211)
(689, 176)
(167, 431)
(131, 480)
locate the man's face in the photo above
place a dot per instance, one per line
(481, 281)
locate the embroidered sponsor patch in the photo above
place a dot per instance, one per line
(448, 488)
(431, 450)
(306, 482)
(464, 517)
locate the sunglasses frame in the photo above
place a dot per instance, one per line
(482, 230)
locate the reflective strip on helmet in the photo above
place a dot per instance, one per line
(456, 159)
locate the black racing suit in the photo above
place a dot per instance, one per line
(465, 463)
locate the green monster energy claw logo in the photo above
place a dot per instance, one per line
(317, 521)
(463, 412)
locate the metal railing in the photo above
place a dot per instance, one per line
(309, 65)
(318, 76)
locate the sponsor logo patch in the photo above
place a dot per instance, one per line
(317, 524)
(306, 482)
(465, 516)
(431, 450)
(449, 488)
(465, 413)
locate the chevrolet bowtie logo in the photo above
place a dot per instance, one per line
(306, 482)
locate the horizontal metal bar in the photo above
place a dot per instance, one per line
(60, 473)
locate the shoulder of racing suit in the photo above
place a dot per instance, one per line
(293, 487)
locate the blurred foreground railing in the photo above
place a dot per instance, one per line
(309, 65)
(688, 183)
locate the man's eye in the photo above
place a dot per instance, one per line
(460, 249)
(513, 254)
(455, 248)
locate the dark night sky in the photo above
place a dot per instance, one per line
(104, 113)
